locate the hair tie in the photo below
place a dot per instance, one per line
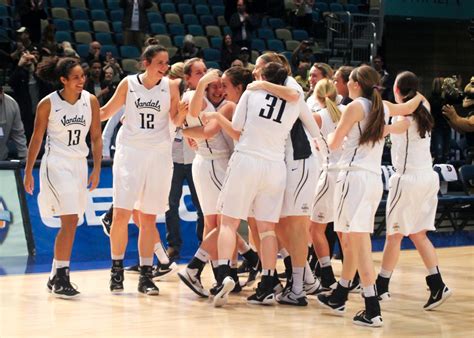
(379, 88)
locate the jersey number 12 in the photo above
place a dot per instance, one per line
(147, 121)
(267, 112)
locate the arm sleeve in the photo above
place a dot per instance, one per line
(240, 114)
(308, 120)
(109, 132)
(17, 133)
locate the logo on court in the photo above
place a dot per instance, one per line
(5, 214)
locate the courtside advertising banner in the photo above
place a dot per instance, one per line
(12, 232)
(91, 242)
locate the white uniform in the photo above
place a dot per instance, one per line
(301, 174)
(63, 171)
(143, 166)
(210, 165)
(414, 183)
(323, 204)
(359, 185)
(256, 177)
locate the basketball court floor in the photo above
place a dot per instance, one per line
(26, 309)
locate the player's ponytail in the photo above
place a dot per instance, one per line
(368, 80)
(326, 93)
(407, 84)
(52, 69)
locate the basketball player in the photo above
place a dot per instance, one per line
(413, 184)
(211, 164)
(66, 115)
(359, 187)
(323, 206)
(302, 170)
(142, 166)
(264, 122)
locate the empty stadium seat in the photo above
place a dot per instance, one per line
(104, 38)
(216, 42)
(172, 18)
(130, 66)
(155, 17)
(176, 29)
(81, 25)
(101, 26)
(82, 37)
(116, 15)
(158, 28)
(167, 8)
(201, 41)
(265, 33)
(211, 54)
(79, 14)
(164, 40)
(185, 9)
(82, 50)
(283, 34)
(190, 19)
(62, 24)
(300, 34)
(213, 31)
(207, 20)
(99, 14)
(276, 23)
(96, 4)
(258, 44)
(78, 4)
(202, 10)
(129, 52)
(63, 36)
(59, 13)
(275, 45)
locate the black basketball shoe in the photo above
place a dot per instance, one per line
(116, 277)
(371, 316)
(264, 294)
(163, 271)
(439, 292)
(145, 282)
(336, 300)
(62, 287)
(106, 221)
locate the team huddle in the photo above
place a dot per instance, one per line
(286, 165)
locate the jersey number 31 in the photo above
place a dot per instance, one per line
(267, 112)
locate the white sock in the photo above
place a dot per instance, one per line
(146, 261)
(369, 291)
(297, 280)
(161, 254)
(223, 262)
(385, 273)
(325, 261)
(117, 257)
(202, 255)
(62, 264)
(268, 272)
(245, 249)
(53, 270)
(284, 253)
(433, 271)
(344, 282)
(215, 264)
(308, 275)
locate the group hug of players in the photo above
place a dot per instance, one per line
(263, 154)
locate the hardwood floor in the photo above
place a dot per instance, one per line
(26, 309)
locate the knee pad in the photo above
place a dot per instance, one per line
(266, 234)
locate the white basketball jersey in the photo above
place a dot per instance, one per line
(366, 156)
(216, 146)
(146, 123)
(409, 150)
(329, 159)
(265, 121)
(68, 125)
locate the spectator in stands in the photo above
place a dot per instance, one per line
(110, 61)
(23, 43)
(11, 128)
(386, 80)
(188, 51)
(94, 53)
(341, 77)
(304, 14)
(95, 84)
(301, 75)
(302, 53)
(48, 43)
(183, 157)
(229, 51)
(108, 84)
(441, 133)
(242, 24)
(237, 63)
(25, 89)
(135, 21)
(244, 56)
(31, 12)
